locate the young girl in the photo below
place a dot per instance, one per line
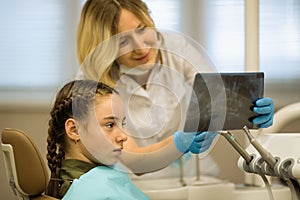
(85, 140)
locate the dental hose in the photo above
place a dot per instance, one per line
(268, 158)
(267, 184)
(234, 143)
(271, 161)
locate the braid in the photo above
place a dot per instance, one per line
(55, 151)
(75, 98)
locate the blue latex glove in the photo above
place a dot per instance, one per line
(194, 142)
(265, 108)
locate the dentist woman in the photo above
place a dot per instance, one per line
(118, 44)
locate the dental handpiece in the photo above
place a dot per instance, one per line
(230, 138)
(267, 156)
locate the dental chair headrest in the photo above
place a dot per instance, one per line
(32, 176)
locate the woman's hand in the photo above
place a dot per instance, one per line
(194, 142)
(265, 108)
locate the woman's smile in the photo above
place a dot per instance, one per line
(144, 58)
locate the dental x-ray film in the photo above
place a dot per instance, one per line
(223, 101)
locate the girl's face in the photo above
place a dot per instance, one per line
(104, 135)
(138, 43)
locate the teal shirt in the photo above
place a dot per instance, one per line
(103, 182)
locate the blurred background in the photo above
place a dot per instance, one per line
(38, 55)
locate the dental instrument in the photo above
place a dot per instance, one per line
(234, 143)
(266, 156)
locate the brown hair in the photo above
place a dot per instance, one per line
(75, 99)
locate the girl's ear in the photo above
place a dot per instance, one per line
(71, 129)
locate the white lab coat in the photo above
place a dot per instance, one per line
(159, 110)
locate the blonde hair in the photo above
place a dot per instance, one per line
(96, 50)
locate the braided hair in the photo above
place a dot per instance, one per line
(75, 98)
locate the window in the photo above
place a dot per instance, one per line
(37, 46)
(32, 43)
(279, 26)
(225, 41)
(221, 31)
(38, 39)
(280, 39)
(166, 13)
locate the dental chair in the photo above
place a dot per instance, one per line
(25, 168)
(283, 117)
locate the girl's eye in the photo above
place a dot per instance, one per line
(124, 122)
(110, 125)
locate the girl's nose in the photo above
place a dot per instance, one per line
(122, 137)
